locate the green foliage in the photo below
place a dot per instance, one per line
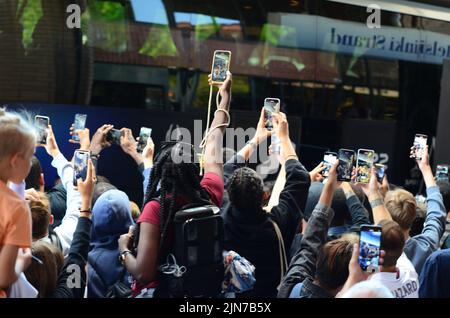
(31, 14)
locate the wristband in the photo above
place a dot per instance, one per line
(377, 202)
(86, 211)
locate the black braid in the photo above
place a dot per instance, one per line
(175, 179)
(155, 177)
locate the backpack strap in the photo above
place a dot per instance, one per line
(281, 250)
(54, 239)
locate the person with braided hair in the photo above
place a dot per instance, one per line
(172, 185)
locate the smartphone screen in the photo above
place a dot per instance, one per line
(41, 123)
(113, 136)
(329, 158)
(80, 165)
(271, 105)
(420, 142)
(78, 124)
(143, 138)
(380, 171)
(364, 165)
(442, 173)
(345, 167)
(220, 66)
(369, 248)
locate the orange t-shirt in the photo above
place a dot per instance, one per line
(15, 220)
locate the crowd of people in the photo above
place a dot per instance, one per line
(298, 240)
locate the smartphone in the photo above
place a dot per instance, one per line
(143, 137)
(113, 136)
(80, 165)
(78, 124)
(345, 167)
(41, 123)
(380, 171)
(369, 248)
(364, 163)
(220, 66)
(442, 173)
(329, 158)
(420, 142)
(271, 105)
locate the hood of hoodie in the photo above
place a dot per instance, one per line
(111, 217)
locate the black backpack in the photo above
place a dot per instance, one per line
(194, 267)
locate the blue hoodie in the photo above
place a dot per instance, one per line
(111, 217)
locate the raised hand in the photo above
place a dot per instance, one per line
(98, 142)
(51, 145)
(316, 173)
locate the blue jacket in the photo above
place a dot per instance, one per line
(111, 217)
(435, 278)
(419, 247)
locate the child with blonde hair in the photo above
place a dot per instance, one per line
(17, 146)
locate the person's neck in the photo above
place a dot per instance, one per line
(406, 234)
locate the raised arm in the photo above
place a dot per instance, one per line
(357, 211)
(292, 199)
(99, 142)
(213, 147)
(434, 225)
(376, 199)
(65, 171)
(303, 264)
(75, 262)
(147, 157)
(129, 145)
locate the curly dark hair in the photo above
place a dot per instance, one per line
(245, 189)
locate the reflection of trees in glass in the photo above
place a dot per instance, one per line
(159, 42)
(104, 26)
(272, 36)
(240, 87)
(204, 30)
(30, 12)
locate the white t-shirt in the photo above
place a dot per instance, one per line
(402, 284)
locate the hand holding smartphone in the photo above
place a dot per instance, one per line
(329, 158)
(271, 105)
(380, 171)
(369, 248)
(442, 172)
(420, 142)
(144, 135)
(345, 167)
(220, 66)
(113, 136)
(80, 165)
(41, 123)
(364, 163)
(78, 124)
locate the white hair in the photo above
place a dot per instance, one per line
(368, 289)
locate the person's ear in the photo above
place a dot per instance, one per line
(52, 219)
(13, 160)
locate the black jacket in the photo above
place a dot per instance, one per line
(303, 264)
(252, 235)
(73, 273)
